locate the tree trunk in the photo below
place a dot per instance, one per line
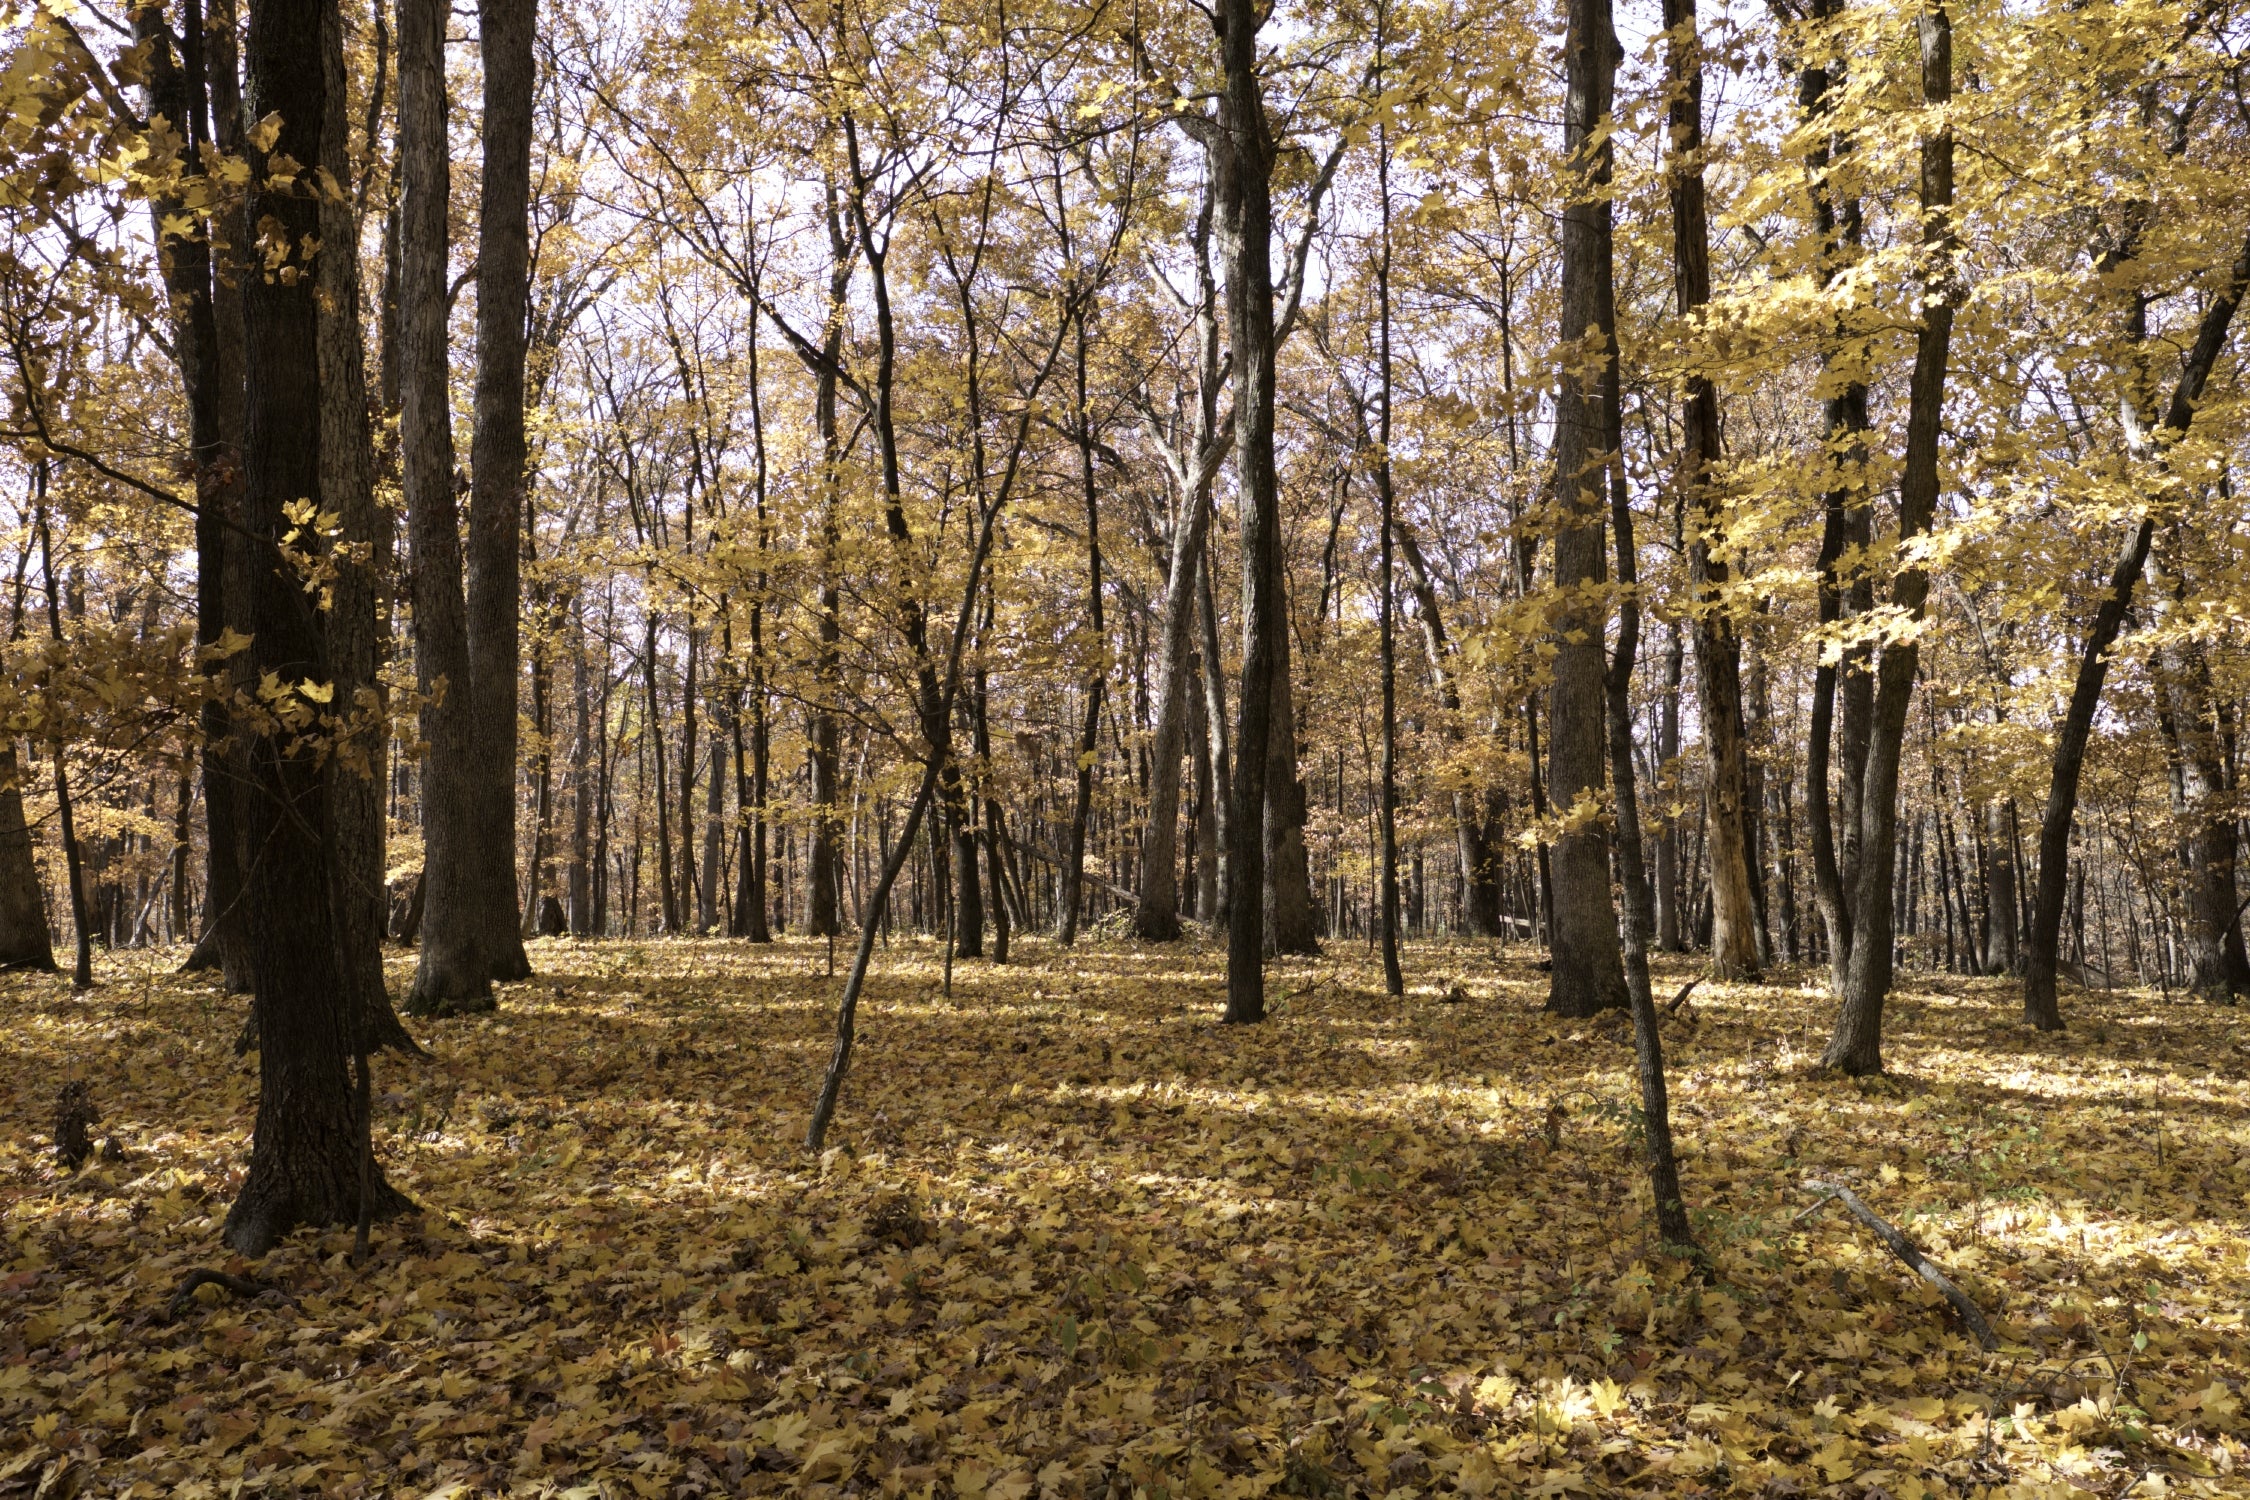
(1588, 975)
(497, 505)
(362, 577)
(1386, 819)
(451, 976)
(1639, 914)
(25, 942)
(1215, 745)
(579, 879)
(306, 1163)
(1241, 149)
(1718, 652)
(1856, 1046)
(1845, 533)
(1667, 756)
(2040, 1006)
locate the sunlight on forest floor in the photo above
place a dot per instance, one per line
(1075, 1239)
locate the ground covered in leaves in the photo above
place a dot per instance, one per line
(1073, 1238)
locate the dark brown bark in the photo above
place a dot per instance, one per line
(362, 577)
(497, 466)
(1833, 831)
(306, 1163)
(1386, 815)
(25, 942)
(1241, 152)
(1856, 1045)
(1588, 974)
(1718, 651)
(452, 975)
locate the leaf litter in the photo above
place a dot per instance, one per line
(1073, 1238)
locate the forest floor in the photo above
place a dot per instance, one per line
(1073, 1238)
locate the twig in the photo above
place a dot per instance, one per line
(1681, 998)
(1905, 1249)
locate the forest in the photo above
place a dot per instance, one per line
(1144, 749)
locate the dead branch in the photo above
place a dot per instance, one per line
(202, 1276)
(1906, 1250)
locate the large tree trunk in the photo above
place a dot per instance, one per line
(1718, 652)
(305, 1163)
(1241, 149)
(1588, 974)
(452, 975)
(2000, 882)
(497, 464)
(362, 578)
(178, 90)
(25, 942)
(1856, 1046)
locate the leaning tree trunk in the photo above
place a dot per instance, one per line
(2042, 950)
(1588, 974)
(305, 1162)
(1718, 651)
(497, 472)
(452, 975)
(1857, 1044)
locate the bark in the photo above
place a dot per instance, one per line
(25, 942)
(1856, 1045)
(451, 975)
(1216, 743)
(1386, 821)
(1156, 915)
(1718, 651)
(1588, 974)
(306, 1164)
(1667, 757)
(2203, 809)
(2000, 887)
(362, 577)
(1640, 910)
(578, 880)
(179, 89)
(2040, 1006)
(1480, 872)
(1097, 675)
(497, 465)
(1845, 531)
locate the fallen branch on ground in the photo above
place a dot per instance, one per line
(1905, 1249)
(1681, 998)
(203, 1276)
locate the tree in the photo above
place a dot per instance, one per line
(1588, 974)
(306, 1163)
(1856, 1045)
